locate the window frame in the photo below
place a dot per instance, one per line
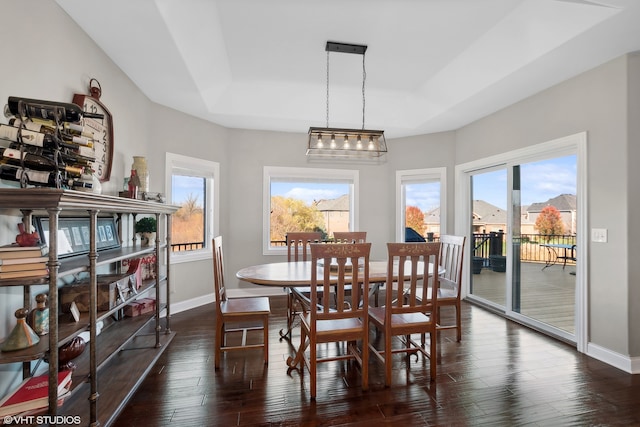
(414, 176)
(352, 176)
(185, 165)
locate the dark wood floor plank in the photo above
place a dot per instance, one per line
(501, 374)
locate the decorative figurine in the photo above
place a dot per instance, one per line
(22, 336)
(27, 239)
(39, 317)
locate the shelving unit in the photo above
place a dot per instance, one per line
(117, 360)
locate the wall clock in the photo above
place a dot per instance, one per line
(102, 129)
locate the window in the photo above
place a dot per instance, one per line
(307, 199)
(192, 184)
(421, 202)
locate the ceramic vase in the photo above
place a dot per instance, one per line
(22, 336)
(140, 166)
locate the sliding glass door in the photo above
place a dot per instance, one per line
(545, 242)
(489, 222)
(524, 245)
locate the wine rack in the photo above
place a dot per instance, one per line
(47, 145)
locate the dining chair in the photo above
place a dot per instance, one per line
(449, 290)
(298, 297)
(236, 311)
(451, 259)
(355, 237)
(345, 322)
(350, 236)
(413, 314)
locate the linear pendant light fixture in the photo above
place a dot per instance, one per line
(327, 142)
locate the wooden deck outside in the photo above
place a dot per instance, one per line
(547, 295)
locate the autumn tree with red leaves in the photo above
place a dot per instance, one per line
(414, 218)
(549, 222)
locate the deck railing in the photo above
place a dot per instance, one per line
(191, 246)
(486, 245)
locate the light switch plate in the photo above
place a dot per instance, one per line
(599, 235)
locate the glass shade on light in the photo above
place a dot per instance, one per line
(350, 143)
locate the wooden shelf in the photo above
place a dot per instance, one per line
(120, 357)
(121, 376)
(68, 329)
(113, 338)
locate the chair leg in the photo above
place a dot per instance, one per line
(219, 339)
(365, 362)
(265, 327)
(388, 359)
(432, 353)
(458, 323)
(313, 369)
(290, 315)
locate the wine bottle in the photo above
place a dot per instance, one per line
(49, 110)
(49, 126)
(30, 177)
(40, 139)
(35, 161)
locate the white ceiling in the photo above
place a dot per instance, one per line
(431, 65)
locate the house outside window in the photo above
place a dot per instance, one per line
(307, 199)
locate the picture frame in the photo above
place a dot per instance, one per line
(74, 234)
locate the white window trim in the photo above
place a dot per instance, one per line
(271, 172)
(176, 163)
(418, 175)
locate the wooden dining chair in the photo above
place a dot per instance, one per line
(450, 284)
(350, 236)
(345, 322)
(451, 259)
(402, 317)
(298, 297)
(236, 311)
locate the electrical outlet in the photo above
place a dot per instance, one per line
(599, 235)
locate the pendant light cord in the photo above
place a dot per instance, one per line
(364, 78)
(327, 89)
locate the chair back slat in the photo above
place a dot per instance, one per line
(218, 270)
(335, 271)
(451, 259)
(409, 278)
(350, 236)
(298, 244)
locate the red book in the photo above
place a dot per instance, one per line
(33, 393)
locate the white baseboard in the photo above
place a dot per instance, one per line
(233, 293)
(178, 307)
(622, 362)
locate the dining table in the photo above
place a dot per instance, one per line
(298, 273)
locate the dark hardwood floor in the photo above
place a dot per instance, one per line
(501, 374)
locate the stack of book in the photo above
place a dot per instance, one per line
(23, 261)
(33, 394)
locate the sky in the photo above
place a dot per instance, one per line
(309, 191)
(183, 186)
(540, 181)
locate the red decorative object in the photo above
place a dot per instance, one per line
(139, 307)
(27, 239)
